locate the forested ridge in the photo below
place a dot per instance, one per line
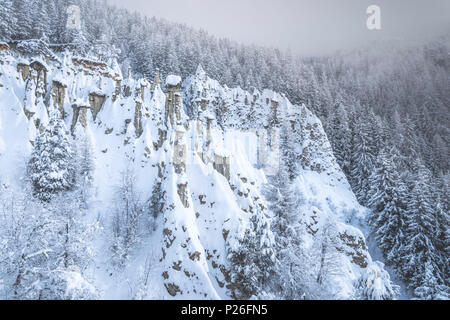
(385, 109)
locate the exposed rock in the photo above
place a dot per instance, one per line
(172, 289)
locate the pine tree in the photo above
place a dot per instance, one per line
(127, 213)
(41, 20)
(443, 240)
(386, 199)
(363, 159)
(327, 254)
(51, 167)
(8, 20)
(24, 11)
(284, 203)
(340, 138)
(429, 287)
(420, 259)
(79, 41)
(157, 202)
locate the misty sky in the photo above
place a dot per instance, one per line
(304, 26)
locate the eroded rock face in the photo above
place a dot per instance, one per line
(96, 102)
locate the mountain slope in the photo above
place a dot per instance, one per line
(204, 153)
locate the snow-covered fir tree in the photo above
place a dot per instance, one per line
(51, 167)
(48, 248)
(387, 201)
(363, 159)
(85, 166)
(128, 211)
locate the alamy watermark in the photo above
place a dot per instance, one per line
(374, 19)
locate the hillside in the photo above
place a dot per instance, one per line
(176, 190)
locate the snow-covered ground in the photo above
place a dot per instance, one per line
(212, 152)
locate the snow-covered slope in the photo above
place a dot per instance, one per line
(207, 148)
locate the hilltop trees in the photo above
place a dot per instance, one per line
(48, 248)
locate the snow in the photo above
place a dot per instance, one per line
(81, 103)
(173, 80)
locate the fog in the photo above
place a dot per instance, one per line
(304, 26)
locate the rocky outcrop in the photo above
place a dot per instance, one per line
(207, 148)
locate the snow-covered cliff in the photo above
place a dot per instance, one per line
(207, 152)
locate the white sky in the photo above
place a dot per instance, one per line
(304, 26)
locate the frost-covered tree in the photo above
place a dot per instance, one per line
(288, 153)
(157, 200)
(84, 167)
(23, 11)
(405, 92)
(327, 255)
(128, 209)
(363, 158)
(41, 21)
(443, 239)
(429, 287)
(8, 20)
(78, 41)
(253, 260)
(340, 137)
(143, 280)
(375, 284)
(51, 168)
(284, 203)
(46, 247)
(421, 261)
